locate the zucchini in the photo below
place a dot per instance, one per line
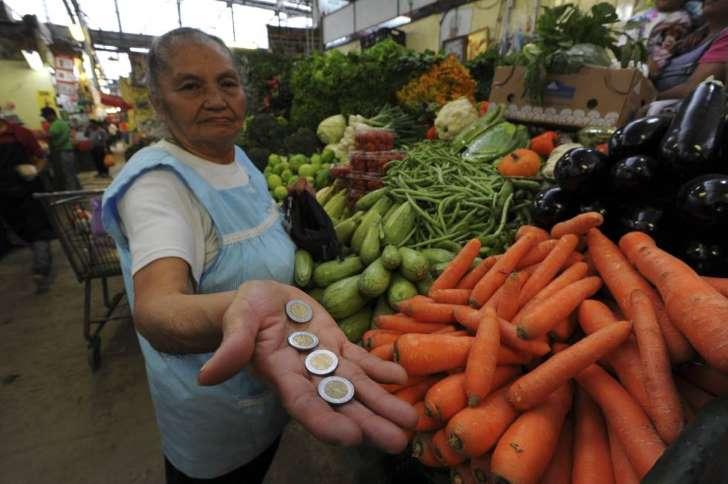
(375, 279)
(361, 231)
(302, 268)
(698, 454)
(329, 272)
(399, 225)
(435, 256)
(423, 286)
(382, 206)
(342, 298)
(437, 269)
(334, 208)
(391, 258)
(317, 294)
(389, 213)
(414, 265)
(382, 307)
(449, 245)
(358, 324)
(345, 229)
(399, 290)
(324, 195)
(370, 248)
(367, 201)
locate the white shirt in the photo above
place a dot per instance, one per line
(161, 217)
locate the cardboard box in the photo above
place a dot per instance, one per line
(595, 96)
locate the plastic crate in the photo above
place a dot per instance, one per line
(374, 139)
(374, 162)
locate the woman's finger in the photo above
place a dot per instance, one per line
(374, 397)
(378, 431)
(377, 369)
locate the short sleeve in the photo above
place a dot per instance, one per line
(161, 218)
(718, 51)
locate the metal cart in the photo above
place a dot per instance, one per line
(92, 255)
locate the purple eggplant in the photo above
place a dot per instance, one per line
(639, 137)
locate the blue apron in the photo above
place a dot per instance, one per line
(209, 431)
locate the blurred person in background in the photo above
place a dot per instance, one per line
(99, 147)
(21, 162)
(63, 159)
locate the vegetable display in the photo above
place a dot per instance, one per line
(509, 391)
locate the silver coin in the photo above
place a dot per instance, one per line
(303, 340)
(336, 390)
(299, 311)
(321, 362)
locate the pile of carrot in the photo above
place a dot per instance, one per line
(568, 358)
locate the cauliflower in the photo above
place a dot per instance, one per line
(454, 116)
(331, 129)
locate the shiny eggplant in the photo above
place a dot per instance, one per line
(707, 258)
(639, 137)
(642, 218)
(692, 141)
(551, 206)
(702, 203)
(633, 175)
(582, 171)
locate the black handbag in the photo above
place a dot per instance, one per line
(310, 227)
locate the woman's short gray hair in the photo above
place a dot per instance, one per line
(164, 45)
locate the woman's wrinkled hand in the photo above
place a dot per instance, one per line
(255, 330)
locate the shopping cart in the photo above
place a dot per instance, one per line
(91, 253)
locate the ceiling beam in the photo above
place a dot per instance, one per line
(303, 7)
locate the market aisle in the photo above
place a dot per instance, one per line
(62, 424)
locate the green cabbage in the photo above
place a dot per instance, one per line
(331, 129)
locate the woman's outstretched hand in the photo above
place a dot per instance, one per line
(255, 330)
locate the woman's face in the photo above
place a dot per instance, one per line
(201, 98)
(715, 8)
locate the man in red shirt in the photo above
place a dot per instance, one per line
(21, 161)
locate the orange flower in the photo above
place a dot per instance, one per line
(445, 82)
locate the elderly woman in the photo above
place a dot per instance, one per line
(700, 55)
(206, 265)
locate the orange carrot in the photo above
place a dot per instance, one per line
(412, 380)
(475, 430)
(537, 232)
(535, 386)
(695, 396)
(404, 324)
(592, 460)
(461, 474)
(498, 273)
(430, 312)
(529, 269)
(451, 296)
(416, 393)
(461, 332)
(378, 337)
(537, 254)
(623, 472)
(664, 407)
(510, 338)
(564, 329)
(504, 375)
(696, 308)
(621, 278)
(457, 268)
(577, 225)
(624, 415)
(472, 277)
(482, 359)
(720, 284)
(508, 356)
(385, 351)
(480, 468)
(404, 306)
(548, 269)
(542, 318)
(574, 258)
(507, 305)
(421, 354)
(706, 378)
(445, 454)
(524, 451)
(446, 330)
(468, 317)
(625, 360)
(559, 469)
(446, 398)
(569, 276)
(423, 450)
(425, 423)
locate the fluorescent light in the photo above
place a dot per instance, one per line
(141, 50)
(32, 57)
(337, 42)
(395, 22)
(76, 32)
